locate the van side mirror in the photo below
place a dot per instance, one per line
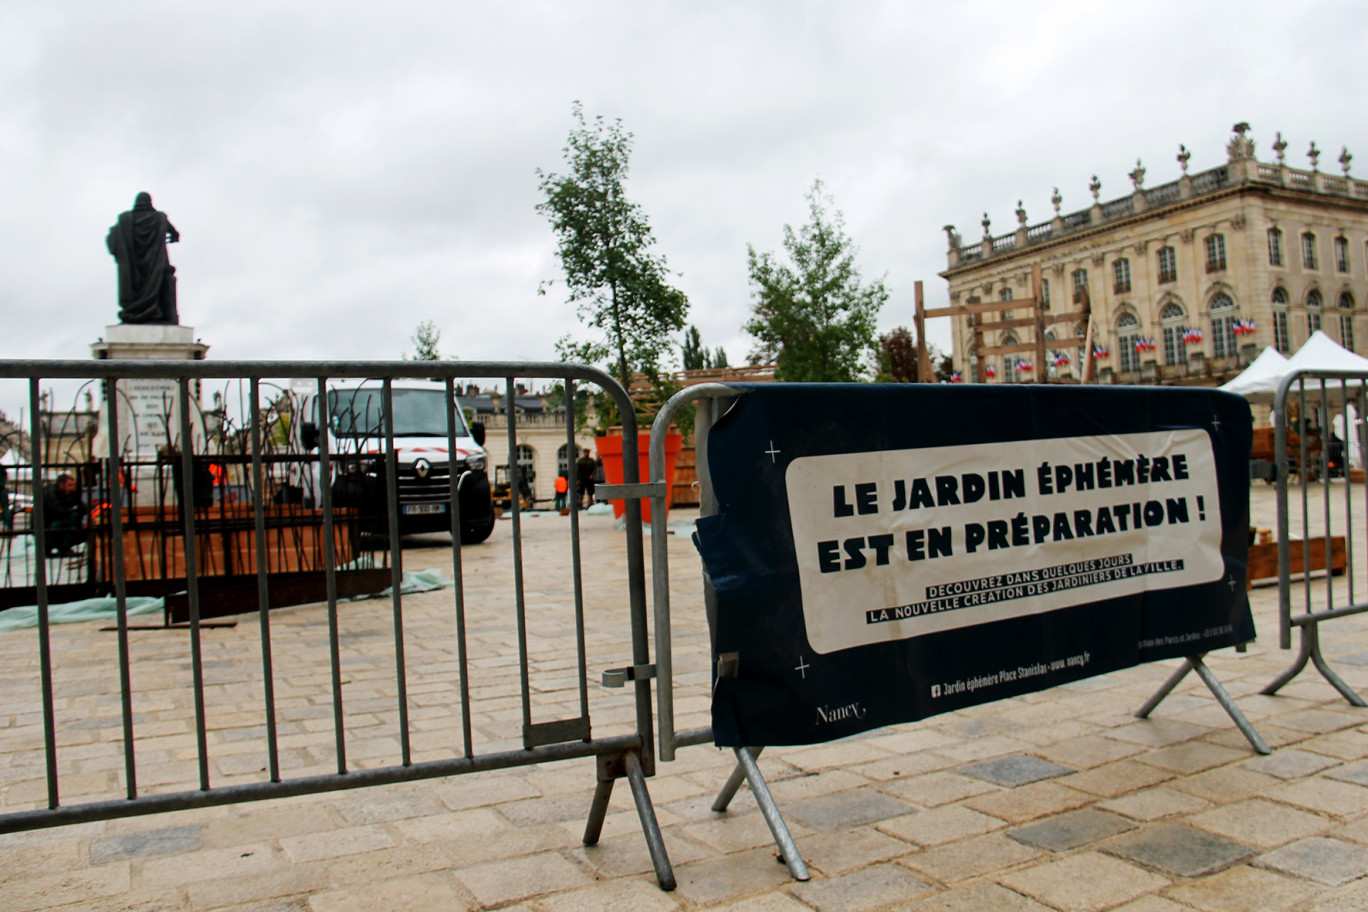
(308, 435)
(477, 432)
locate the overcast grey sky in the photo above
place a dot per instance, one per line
(340, 171)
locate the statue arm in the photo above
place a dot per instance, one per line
(172, 235)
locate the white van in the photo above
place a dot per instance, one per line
(426, 470)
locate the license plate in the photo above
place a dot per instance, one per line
(411, 509)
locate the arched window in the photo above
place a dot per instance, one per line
(1127, 337)
(565, 459)
(1314, 303)
(1222, 312)
(1346, 303)
(1282, 341)
(1171, 321)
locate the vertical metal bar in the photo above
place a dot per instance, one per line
(187, 501)
(1302, 458)
(263, 591)
(520, 605)
(40, 583)
(322, 410)
(1324, 463)
(396, 569)
(1348, 491)
(454, 510)
(577, 582)
(636, 585)
(121, 586)
(1283, 465)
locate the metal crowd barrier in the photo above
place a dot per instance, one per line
(711, 400)
(629, 754)
(1318, 427)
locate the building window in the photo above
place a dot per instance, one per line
(1127, 337)
(1005, 294)
(1121, 269)
(1346, 303)
(1341, 254)
(1215, 251)
(1282, 341)
(1313, 311)
(1045, 294)
(1275, 247)
(1222, 311)
(1171, 319)
(1168, 265)
(1309, 251)
(1080, 284)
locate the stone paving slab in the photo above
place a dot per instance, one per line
(1170, 813)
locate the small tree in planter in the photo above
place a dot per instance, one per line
(617, 282)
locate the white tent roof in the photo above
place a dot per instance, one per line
(1323, 353)
(1262, 377)
(1259, 382)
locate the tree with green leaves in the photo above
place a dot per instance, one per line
(425, 339)
(813, 319)
(693, 355)
(617, 282)
(719, 358)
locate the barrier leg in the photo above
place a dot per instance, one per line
(738, 776)
(1310, 649)
(1164, 690)
(593, 827)
(1195, 663)
(770, 811)
(650, 827)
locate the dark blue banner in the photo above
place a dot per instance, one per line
(885, 553)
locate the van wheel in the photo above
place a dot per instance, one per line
(473, 535)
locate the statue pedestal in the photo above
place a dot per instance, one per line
(149, 408)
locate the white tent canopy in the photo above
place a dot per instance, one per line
(1260, 380)
(1323, 353)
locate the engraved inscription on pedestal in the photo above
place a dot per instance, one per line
(149, 416)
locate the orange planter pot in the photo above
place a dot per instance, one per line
(610, 451)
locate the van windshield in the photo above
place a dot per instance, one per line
(417, 413)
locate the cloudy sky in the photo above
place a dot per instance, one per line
(340, 171)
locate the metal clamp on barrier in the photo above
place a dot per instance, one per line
(1263, 470)
(618, 677)
(607, 492)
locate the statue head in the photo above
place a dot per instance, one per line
(142, 201)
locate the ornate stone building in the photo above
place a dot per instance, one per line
(1185, 282)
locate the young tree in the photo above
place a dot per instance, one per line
(897, 357)
(618, 283)
(693, 355)
(425, 339)
(719, 358)
(814, 319)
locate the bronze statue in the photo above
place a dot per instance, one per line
(147, 280)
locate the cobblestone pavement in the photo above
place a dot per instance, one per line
(1060, 800)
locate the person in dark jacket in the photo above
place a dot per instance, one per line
(63, 515)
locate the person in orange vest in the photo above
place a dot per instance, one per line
(562, 488)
